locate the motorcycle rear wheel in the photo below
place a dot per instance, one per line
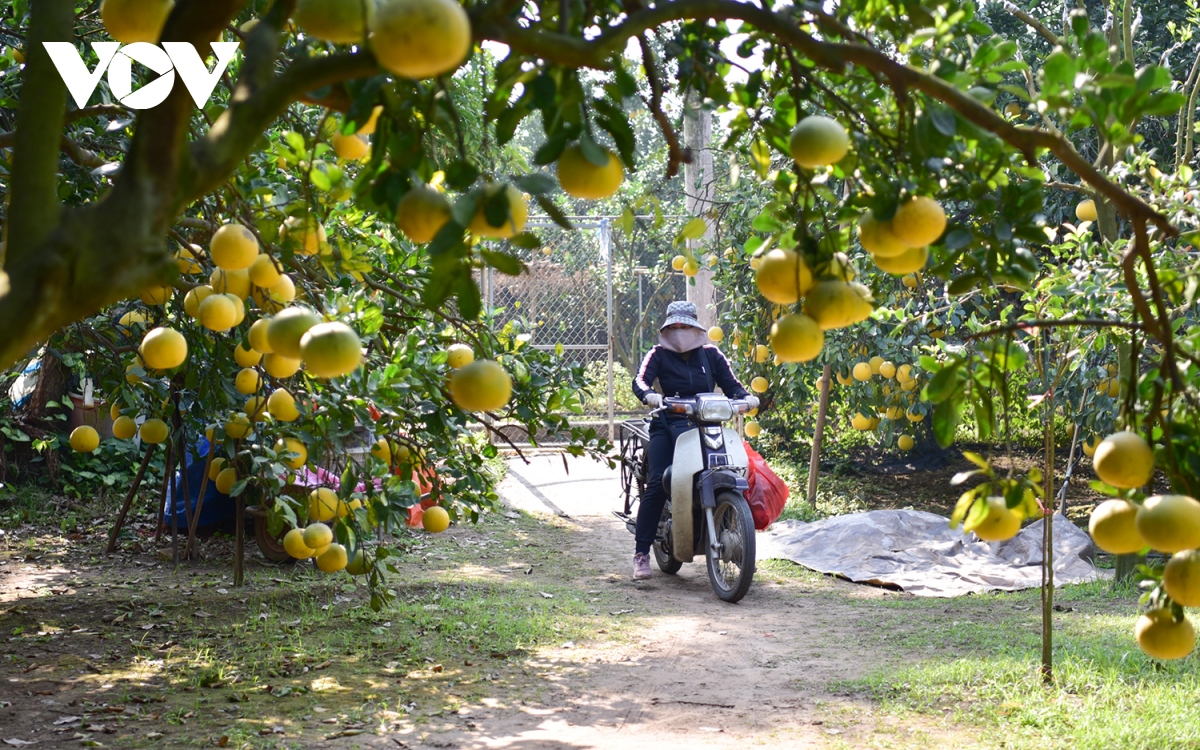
(665, 562)
(732, 571)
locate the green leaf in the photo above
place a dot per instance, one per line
(760, 158)
(553, 211)
(460, 175)
(1058, 69)
(694, 229)
(591, 151)
(525, 241)
(978, 460)
(946, 416)
(320, 180)
(536, 183)
(503, 262)
(943, 385)
(467, 294)
(549, 151)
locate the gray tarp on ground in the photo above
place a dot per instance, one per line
(921, 554)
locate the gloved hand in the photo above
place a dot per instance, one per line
(751, 402)
(653, 399)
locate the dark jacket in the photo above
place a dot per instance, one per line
(683, 375)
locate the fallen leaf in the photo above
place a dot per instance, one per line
(17, 743)
(153, 735)
(201, 614)
(66, 720)
(343, 733)
(545, 595)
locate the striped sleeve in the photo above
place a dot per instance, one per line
(646, 374)
(723, 374)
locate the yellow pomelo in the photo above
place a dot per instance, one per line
(323, 504)
(1160, 637)
(483, 385)
(420, 39)
(293, 544)
(818, 141)
(894, 412)
(581, 178)
(1000, 523)
(84, 439)
(1013, 109)
(153, 431)
(783, 276)
(282, 405)
(193, 299)
(761, 353)
(716, 334)
(372, 122)
(691, 268)
(1089, 446)
(239, 308)
(132, 318)
(114, 411)
(752, 428)
(340, 21)
(1124, 459)
(1181, 578)
(678, 262)
(913, 416)
(217, 313)
(422, 213)
(909, 261)
(332, 559)
(233, 247)
(130, 21)
(247, 381)
(185, 261)
(278, 295)
(255, 408)
(350, 147)
(307, 232)
(330, 350)
(246, 357)
(1086, 210)
(292, 445)
(156, 295)
(905, 442)
(844, 379)
(836, 304)
(918, 222)
(513, 224)
(862, 422)
(887, 369)
(436, 519)
(124, 428)
(218, 465)
(759, 384)
(317, 536)
(163, 349)
(1169, 523)
(382, 450)
(359, 565)
(908, 385)
(287, 328)
(1113, 526)
(909, 281)
(263, 272)
(904, 373)
(862, 371)
(226, 479)
(796, 338)
(279, 366)
(258, 336)
(237, 426)
(877, 238)
(235, 282)
(459, 355)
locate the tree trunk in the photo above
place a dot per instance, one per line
(699, 186)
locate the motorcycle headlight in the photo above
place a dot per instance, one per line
(715, 410)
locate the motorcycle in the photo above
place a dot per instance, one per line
(706, 512)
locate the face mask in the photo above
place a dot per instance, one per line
(682, 340)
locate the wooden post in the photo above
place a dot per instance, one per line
(239, 546)
(1047, 668)
(168, 469)
(137, 483)
(814, 461)
(191, 539)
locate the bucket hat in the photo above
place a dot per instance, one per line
(681, 312)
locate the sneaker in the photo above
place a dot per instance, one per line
(641, 566)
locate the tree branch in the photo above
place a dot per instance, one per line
(675, 154)
(1030, 21)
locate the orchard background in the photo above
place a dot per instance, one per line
(976, 220)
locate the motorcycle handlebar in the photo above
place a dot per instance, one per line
(740, 406)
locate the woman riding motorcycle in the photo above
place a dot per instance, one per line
(683, 364)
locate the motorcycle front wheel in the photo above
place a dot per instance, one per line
(731, 570)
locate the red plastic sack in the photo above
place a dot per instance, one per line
(767, 494)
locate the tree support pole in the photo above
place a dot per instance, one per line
(239, 547)
(168, 469)
(814, 461)
(137, 483)
(191, 539)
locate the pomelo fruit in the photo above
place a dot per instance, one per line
(797, 338)
(133, 318)
(887, 370)
(918, 222)
(239, 308)
(163, 349)
(287, 327)
(1124, 459)
(761, 353)
(307, 232)
(1113, 526)
(292, 445)
(217, 313)
(511, 224)
(716, 334)
(422, 213)
(330, 350)
(581, 178)
(233, 247)
(153, 431)
(246, 357)
(436, 519)
(1160, 637)
(339, 21)
(1181, 578)
(263, 272)
(817, 141)
(350, 147)
(317, 536)
(84, 439)
(861, 422)
(678, 262)
(130, 21)
(1169, 523)
(258, 336)
(218, 464)
(877, 237)
(836, 304)
(382, 450)
(1086, 210)
(752, 428)
(279, 366)
(193, 299)
(255, 408)
(332, 559)
(909, 261)
(185, 261)
(293, 544)
(237, 426)
(282, 405)
(124, 428)
(247, 381)
(235, 282)
(372, 122)
(483, 385)
(323, 504)
(359, 565)
(844, 379)
(226, 479)
(862, 372)
(1000, 523)
(905, 442)
(783, 276)
(419, 39)
(759, 384)
(1012, 109)
(156, 295)
(459, 355)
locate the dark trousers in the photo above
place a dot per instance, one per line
(659, 455)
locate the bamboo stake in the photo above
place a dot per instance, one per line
(239, 547)
(137, 483)
(814, 461)
(168, 469)
(191, 539)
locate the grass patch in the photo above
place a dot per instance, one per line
(979, 660)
